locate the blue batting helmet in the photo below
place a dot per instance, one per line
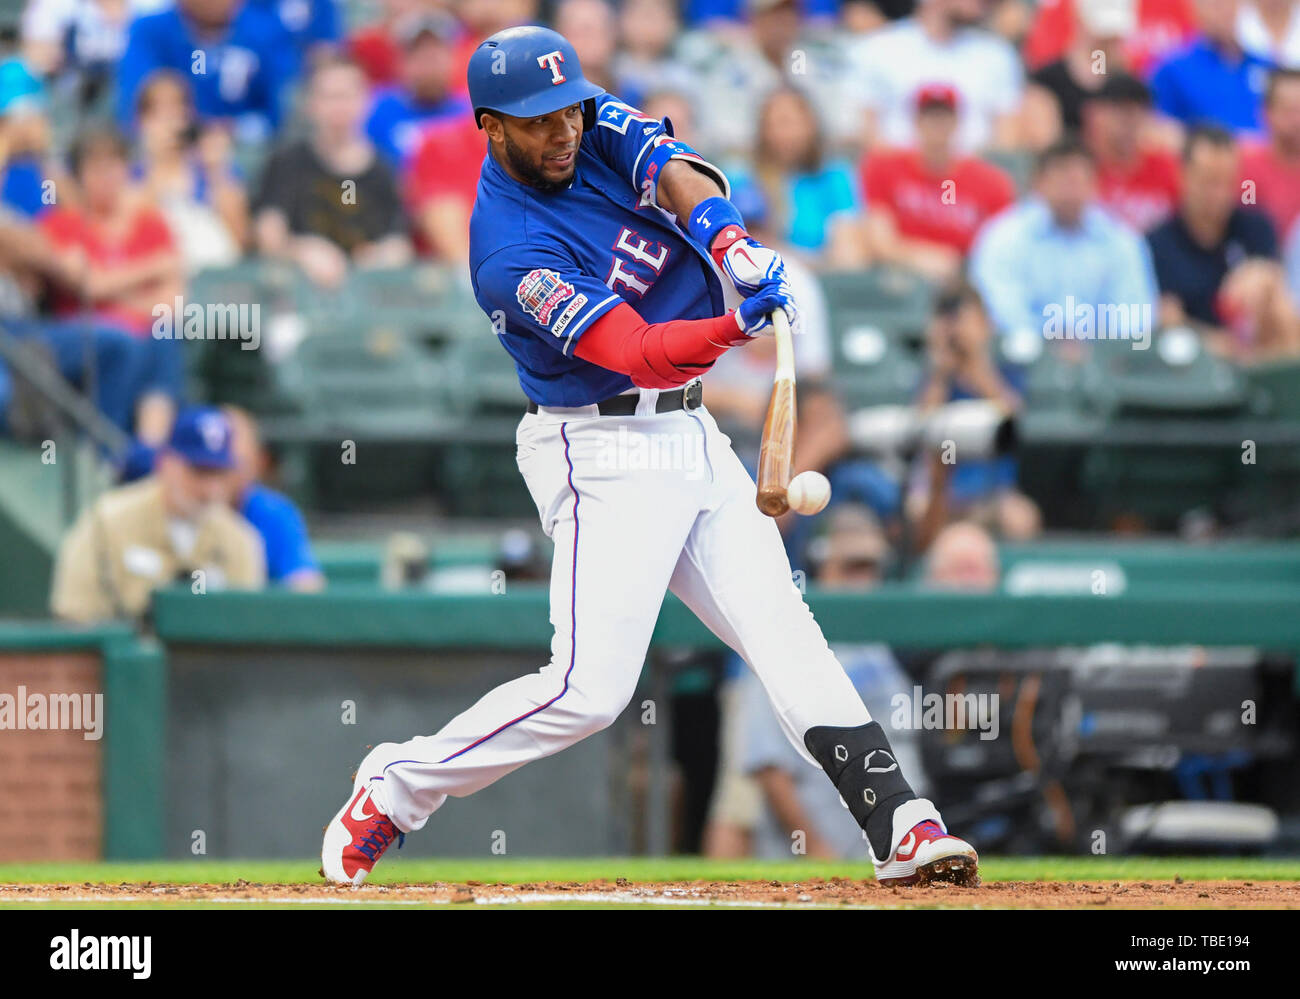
(526, 72)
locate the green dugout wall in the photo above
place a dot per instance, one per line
(222, 649)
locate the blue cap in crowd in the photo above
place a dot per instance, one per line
(201, 436)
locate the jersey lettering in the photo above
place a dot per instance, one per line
(638, 249)
(641, 251)
(619, 274)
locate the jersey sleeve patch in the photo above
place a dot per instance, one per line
(541, 295)
(616, 115)
(541, 291)
(564, 318)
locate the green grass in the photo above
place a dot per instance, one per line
(397, 870)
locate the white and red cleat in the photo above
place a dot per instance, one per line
(928, 854)
(357, 836)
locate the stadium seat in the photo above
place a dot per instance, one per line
(247, 282)
(417, 301)
(897, 301)
(1050, 384)
(379, 389)
(1174, 376)
(404, 300)
(221, 369)
(486, 378)
(1276, 387)
(871, 368)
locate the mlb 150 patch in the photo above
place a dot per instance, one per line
(566, 317)
(539, 293)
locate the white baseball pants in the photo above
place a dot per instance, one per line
(635, 505)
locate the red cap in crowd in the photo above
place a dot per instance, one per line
(936, 95)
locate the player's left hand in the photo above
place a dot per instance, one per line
(754, 316)
(750, 264)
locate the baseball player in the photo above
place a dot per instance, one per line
(593, 245)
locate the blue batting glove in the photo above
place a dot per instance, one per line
(754, 317)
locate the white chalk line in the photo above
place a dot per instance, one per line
(523, 898)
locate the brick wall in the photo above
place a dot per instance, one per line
(51, 806)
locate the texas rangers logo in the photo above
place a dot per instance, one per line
(552, 62)
(540, 291)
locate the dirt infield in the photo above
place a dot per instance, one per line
(814, 892)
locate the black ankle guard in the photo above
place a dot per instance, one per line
(860, 763)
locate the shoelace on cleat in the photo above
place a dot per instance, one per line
(377, 837)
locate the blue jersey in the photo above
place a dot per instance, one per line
(284, 535)
(308, 22)
(397, 122)
(22, 187)
(545, 266)
(1201, 83)
(239, 74)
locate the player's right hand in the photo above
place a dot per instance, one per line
(754, 316)
(748, 263)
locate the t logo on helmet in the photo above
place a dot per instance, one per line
(552, 62)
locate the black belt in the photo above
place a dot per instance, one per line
(687, 397)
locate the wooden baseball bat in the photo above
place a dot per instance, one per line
(776, 454)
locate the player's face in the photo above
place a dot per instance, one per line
(541, 152)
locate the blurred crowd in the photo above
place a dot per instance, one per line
(1083, 159)
(1136, 152)
(1027, 159)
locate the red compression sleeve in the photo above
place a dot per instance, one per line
(657, 355)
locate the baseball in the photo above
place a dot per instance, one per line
(808, 493)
